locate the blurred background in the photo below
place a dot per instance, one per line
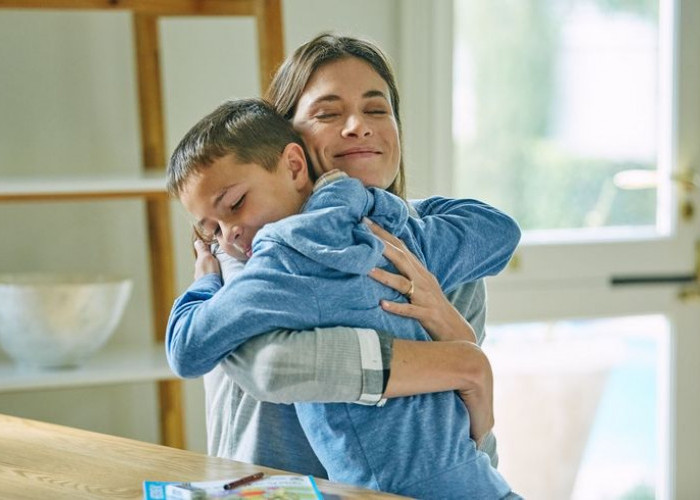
(578, 117)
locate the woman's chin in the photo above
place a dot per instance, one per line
(370, 174)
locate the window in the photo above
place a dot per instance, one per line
(558, 109)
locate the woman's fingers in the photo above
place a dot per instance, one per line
(427, 303)
(396, 281)
(385, 235)
(382, 233)
(395, 250)
(405, 309)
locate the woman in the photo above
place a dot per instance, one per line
(317, 89)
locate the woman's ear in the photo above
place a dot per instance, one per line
(295, 161)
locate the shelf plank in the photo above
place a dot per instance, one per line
(116, 365)
(76, 188)
(154, 7)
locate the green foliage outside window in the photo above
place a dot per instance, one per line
(510, 161)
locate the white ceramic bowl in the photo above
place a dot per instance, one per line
(51, 321)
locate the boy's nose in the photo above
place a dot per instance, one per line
(231, 234)
(356, 126)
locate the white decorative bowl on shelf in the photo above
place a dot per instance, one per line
(56, 321)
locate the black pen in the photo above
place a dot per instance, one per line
(244, 480)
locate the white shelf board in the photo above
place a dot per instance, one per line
(115, 365)
(32, 189)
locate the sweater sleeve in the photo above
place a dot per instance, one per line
(337, 364)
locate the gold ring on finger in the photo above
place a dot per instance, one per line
(409, 293)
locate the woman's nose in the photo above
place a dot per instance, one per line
(356, 126)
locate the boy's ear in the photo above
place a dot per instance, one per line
(294, 160)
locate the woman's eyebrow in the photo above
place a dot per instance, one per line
(325, 98)
(374, 93)
(334, 97)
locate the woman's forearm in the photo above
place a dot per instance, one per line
(421, 367)
(326, 365)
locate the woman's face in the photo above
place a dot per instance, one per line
(347, 122)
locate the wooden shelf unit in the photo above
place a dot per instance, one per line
(148, 365)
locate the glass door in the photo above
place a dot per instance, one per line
(581, 118)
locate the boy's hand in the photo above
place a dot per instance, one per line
(205, 263)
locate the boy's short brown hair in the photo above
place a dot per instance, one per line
(249, 129)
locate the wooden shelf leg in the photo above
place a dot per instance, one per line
(159, 223)
(171, 413)
(268, 14)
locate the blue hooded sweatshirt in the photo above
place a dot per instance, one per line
(310, 270)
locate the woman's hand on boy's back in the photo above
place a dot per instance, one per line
(426, 302)
(205, 262)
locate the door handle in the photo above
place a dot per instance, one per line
(652, 279)
(690, 289)
(690, 281)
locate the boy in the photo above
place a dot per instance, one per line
(243, 167)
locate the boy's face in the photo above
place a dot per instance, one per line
(232, 201)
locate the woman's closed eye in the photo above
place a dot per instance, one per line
(326, 115)
(377, 107)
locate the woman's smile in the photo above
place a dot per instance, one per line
(361, 152)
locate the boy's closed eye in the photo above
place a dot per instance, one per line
(238, 204)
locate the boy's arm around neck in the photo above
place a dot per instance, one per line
(463, 239)
(206, 324)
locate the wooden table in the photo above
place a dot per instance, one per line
(40, 460)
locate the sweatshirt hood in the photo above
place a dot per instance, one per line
(330, 230)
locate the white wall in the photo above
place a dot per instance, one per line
(68, 105)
